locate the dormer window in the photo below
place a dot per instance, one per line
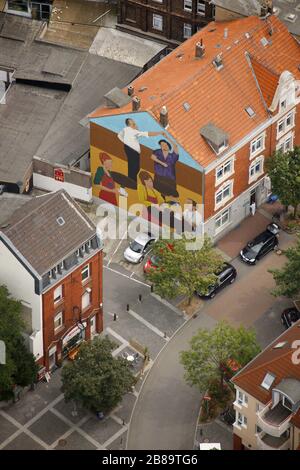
(215, 137)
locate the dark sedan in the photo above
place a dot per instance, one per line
(290, 316)
(226, 276)
(261, 245)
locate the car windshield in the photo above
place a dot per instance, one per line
(136, 247)
(254, 248)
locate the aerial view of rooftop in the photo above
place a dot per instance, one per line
(149, 230)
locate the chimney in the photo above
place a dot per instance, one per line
(136, 103)
(163, 116)
(130, 90)
(266, 7)
(200, 49)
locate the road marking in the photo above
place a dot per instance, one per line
(115, 436)
(128, 277)
(149, 325)
(117, 336)
(118, 246)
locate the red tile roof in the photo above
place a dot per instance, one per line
(278, 362)
(217, 96)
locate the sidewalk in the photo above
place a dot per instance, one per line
(213, 433)
(232, 243)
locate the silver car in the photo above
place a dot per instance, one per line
(139, 247)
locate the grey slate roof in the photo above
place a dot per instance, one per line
(9, 203)
(34, 232)
(43, 121)
(290, 387)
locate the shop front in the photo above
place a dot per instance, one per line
(73, 339)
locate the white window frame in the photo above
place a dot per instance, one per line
(201, 11)
(221, 179)
(225, 224)
(285, 126)
(283, 142)
(58, 294)
(241, 420)
(187, 27)
(83, 271)
(84, 305)
(188, 5)
(241, 399)
(59, 316)
(258, 160)
(256, 151)
(222, 189)
(268, 384)
(158, 18)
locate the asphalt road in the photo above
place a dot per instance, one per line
(166, 411)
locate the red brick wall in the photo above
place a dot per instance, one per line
(73, 288)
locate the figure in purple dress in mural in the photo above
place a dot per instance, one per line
(130, 137)
(165, 159)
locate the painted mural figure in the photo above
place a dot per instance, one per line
(165, 160)
(108, 191)
(129, 136)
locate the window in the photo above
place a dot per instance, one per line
(285, 124)
(283, 105)
(256, 169)
(222, 220)
(285, 144)
(241, 398)
(85, 273)
(157, 22)
(18, 5)
(58, 294)
(287, 403)
(187, 5)
(268, 381)
(201, 7)
(225, 170)
(241, 420)
(86, 300)
(223, 194)
(58, 321)
(187, 30)
(257, 145)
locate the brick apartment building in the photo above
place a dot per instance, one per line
(53, 264)
(268, 397)
(227, 98)
(172, 21)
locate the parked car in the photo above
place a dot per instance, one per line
(289, 316)
(151, 263)
(261, 245)
(226, 276)
(139, 247)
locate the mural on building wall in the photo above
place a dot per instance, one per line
(132, 156)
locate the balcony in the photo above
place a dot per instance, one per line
(267, 442)
(274, 421)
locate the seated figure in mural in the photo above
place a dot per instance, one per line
(165, 160)
(108, 191)
(129, 136)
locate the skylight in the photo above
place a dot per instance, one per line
(280, 345)
(250, 111)
(60, 221)
(264, 41)
(187, 106)
(268, 381)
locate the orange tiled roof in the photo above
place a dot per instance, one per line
(276, 361)
(217, 96)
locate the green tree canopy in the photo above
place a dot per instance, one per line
(20, 368)
(96, 379)
(182, 271)
(288, 278)
(212, 351)
(284, 172)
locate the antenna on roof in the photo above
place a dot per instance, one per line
(199, 49)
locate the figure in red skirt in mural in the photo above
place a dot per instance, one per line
(108, 191)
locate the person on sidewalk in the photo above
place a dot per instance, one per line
(130, 137)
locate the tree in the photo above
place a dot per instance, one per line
(212, 351)
(182, 271)
(20, 368)
(288, 278)
(96, 379)
(284, 172)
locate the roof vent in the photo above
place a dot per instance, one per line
(136, 103)
(130, 90)
(264, 41)
(163, 116)
(186, 106)
(218, 62)
(60, 221)
(116, 98)
(199, 49)
(291, 17)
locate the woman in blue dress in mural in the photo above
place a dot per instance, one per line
(165, 159)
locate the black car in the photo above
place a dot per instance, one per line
(261, 245)
(290, 316)
(226, 276)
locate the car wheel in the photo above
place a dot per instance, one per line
(232, 280)
(141, 258)
(212, 295)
